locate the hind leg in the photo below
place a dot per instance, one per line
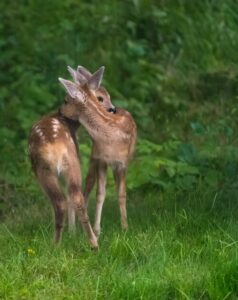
(73, 178)
(50, 184)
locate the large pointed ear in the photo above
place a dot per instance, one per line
(83, 71)
(73, 73)
(77, 77)
(96, 79)
(72, 89)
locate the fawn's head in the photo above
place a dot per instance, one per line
(83, 76)
(85, 89)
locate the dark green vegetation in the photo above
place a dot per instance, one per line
(173, 65)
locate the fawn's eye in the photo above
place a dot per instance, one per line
(100, 98)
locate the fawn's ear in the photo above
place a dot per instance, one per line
(77, 77)
(96, 79)
(72, 90)
(83, 71)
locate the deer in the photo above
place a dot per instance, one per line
(54, 154)
(114, 137)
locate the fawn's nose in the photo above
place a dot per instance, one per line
(112, 109)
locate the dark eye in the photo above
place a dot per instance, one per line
(100, 99)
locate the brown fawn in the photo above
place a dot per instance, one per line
(114, 137)
(54, 151)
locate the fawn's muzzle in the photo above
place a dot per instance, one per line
(112, 110)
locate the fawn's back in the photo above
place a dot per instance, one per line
(52, 143)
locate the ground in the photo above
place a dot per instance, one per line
(175, 248)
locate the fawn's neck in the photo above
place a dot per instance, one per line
(99, 123)
(73, 125)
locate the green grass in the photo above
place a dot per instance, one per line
(179, 246)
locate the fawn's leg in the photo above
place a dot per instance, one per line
(73, 178)
(50, 185)
(101, 193)
(90, 179)
(120, 180)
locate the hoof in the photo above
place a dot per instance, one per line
(94, 242)
(124, 226)
(94, 246)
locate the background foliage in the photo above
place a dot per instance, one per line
(172, 64)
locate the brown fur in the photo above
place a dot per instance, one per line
(114, 137)
(53, 151)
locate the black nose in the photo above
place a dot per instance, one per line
(112, 110)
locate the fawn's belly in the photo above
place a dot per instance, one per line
(111, 154)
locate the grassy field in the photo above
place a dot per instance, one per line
(176, 248)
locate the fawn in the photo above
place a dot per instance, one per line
(114, 139)
(54, 152)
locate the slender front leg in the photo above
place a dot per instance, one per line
(120, 179)
(101, 193)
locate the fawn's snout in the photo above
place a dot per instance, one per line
(112, 110)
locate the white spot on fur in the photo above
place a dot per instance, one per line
(55, 128)
(55, 135)
(40, 133)
(38, 130)
(55, 121)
